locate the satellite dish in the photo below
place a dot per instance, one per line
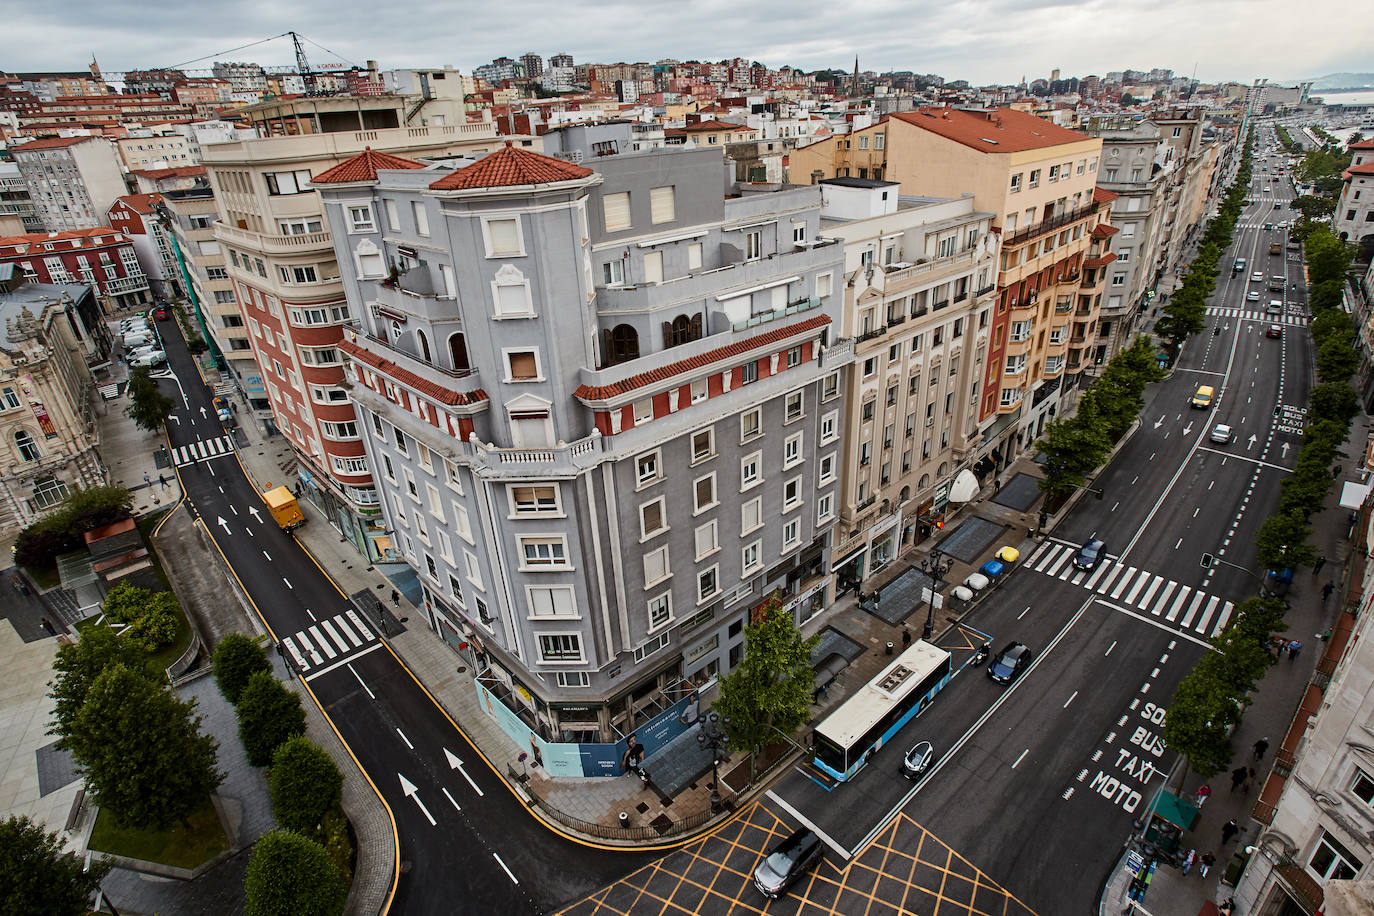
(964, 488)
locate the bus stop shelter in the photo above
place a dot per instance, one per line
(1170, 817)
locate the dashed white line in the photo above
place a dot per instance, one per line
(362, 682)
(1070, 700)
(405, 739)
(1020, 758)
(1109, 649)
(513, 879)
(1023, 613)
(451, 801)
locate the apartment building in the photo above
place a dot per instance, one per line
(136, 217)
(919, 300)
(102, 257)
(72, 181)
(1353, 220)
(15, 202)
(603, 410)
(289, 290)
(161, 149)
(1183, 130)
(48, 334)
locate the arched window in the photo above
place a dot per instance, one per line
(458, 352)
(681, 330)
(395, 330)
(423, 341)
(944, 468)
(28, 449)
(904, 495)
(925, 481)
(624, 343)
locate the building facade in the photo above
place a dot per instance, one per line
(103, 258)
(603, 410)
(290, 292)
(1353, 220)
(14, 200)
(72, 181)
(136, 218)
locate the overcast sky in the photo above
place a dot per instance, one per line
(983, 41)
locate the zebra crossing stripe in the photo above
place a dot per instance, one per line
(1059, 562)
(1222, 620)
(303, 638)
(1192, 610)
(1150, 593)
(1207, 614)
(347, 630)
(1139, 584)
(363, 628)
(1116, 570)
(1163, 599)
(322, 642)
(295, 653)
(1123, 582)
(1047, 556)
(328, 627)
(1178, 605)
(1097, 574)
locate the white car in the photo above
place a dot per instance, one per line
(149, 358)
(1222, 433)
(134, 341)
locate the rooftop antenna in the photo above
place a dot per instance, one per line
(303, 65)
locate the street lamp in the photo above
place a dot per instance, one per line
(714, 734)
(936, 567)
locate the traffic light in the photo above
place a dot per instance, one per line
(939, 523)
(1207, 561)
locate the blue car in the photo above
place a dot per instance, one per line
(1010, 662)
(1090, 554)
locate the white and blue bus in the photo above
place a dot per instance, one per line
(869, 719)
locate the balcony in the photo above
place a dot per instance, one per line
(898, 277)
(306, 243)
(380, 347)
(801, 305)
(121, 285)
(870, 334)
(1050, 225)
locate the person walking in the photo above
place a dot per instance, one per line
(1327, 589)
(1228, 831)
(1294, 648)
(395, 598)
(1189, 859)
(1237, 778)
(47, 625)
(1260, 747)
(1317, 566)
(1204, 792)
(1204, 865)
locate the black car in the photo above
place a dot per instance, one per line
(1010, 662)
(918, 760)
(788, 860)
(1089, 555)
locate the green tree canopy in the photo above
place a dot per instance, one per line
(305, 784)
(268, 714)
(77, 666)
(768, 695)
(60, 532)
(1282, 542)
(38, 877)
(150, 616)
(1199, 721)
(290, 875)
(237, 658)
(148, 407)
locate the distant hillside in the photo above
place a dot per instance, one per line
(1334, 81)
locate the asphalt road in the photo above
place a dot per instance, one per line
(467, 843)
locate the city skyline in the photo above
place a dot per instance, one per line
(995, 43)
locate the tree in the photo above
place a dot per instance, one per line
(141, 751)
(1333, 401)
(38, 877)
(1127, 99)
(148, 407)
(151, 617)
(79, 664)
(268, 715)
(768, 696)
(1072, 448)
(1199, 722)
(60, 532)
(290, 875)
(1312, 207)
(237, 658)
(305, 784)
(1281, 541)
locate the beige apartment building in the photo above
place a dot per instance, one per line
(919, 299)
(281, 260)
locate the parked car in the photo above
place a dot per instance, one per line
(137, 339)
(1275, 307)
(222, 410)
(1009, 664)
(1273, 331)
(1222, 433)
(787, 862)
(918, 760)
(149, 358)
(1090, 554)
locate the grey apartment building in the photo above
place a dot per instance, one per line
(603, 409)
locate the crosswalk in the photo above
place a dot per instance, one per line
(1180, 605)
(322, 645)
(1259, 315)
(203, 450)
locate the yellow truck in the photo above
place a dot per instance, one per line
(286, 511)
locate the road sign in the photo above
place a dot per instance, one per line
(1135, 862)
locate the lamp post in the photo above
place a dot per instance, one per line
(936, 566)
(714, 734)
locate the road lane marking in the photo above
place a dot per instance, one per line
(347, 662)
(360, 677)
(1070, 700)
(1023, 613)
(450, 800)
(325, 645)
(1022, 757)
(513, 879)
(267, 556)
(1154, 623)
(1109, 649)
(836, 848)
(405, 739)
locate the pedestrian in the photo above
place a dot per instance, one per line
(1249, 780)
(1189, 859)
(1336, 471)
(1229, 830)
(1327, 589)
(147, 481)
(996, 485)
(47, 625)
(906, 635)
(162, 479)
(1260, 747)
(1317, 566)
(1204, 865)
(395, 598)
(1237, 778)
(1294, 648)
(1204, 792)
(1325, 636)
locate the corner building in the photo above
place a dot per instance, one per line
(598, 406)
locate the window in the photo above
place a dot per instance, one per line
(547, 552)
(339, 431)
(751, 515)
(393, 219)
(827, 474)
(560, 647)
(707, 542)
(652, 520)
(643, 410)
(648, 468)
(753, 244)
(304, 273)
(791, 494)
(661, 209)
(707, 584)
(703, 493)
(294, 182)
(1054, 174)
(791, 534)
(656, 567)
(1035, 178)
(28, 449)
(503, 237)
(1332, 861)
(1362, 787)
(11, 399)
(613, 273)
(360, 219)
(825, 508)
(417, 208)
(694, 256)
(522, 365)
(751, 556)
(616, 210)
(217, 273)
(795, 407)
(798, 233)
(824, 283)
(749, 470)
(830, 386)
(552, 601)
(1016, 182)
(535, 500)
(792, 450)
(867, 410)
(1123, 255)
(703, 445)
(749, 373)
(699, 391)
(660, 611)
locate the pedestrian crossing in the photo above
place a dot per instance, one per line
(203, 450)
(1258, 315)
(326, 643)
(1181, 605)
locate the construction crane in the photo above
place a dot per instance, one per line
(303, 65)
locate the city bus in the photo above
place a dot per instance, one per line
(845, 740)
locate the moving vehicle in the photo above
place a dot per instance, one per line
(1090, 554)
(1202, 398)
(1273, 331)
(787, 862)
(162, 314)
(918, 760)
(1257, 277)
(285, 509)
(1275, 307)
(1252, 296)
(1222, 433)
(1276, 283)
(1010, 663)
(869, 719)
(1275, 248)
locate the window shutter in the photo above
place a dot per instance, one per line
(522, 365)
(616, 208)
(661, 208)
(667, 334)
(505, 236)
(653, 267)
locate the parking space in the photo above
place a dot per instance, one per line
(904, 870)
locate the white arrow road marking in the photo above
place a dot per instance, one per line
(455, 764)
(1187, 430)
(178, 419)
(1251, 442)
(408, 789)
(1159, 422)
(253, 511)
(1285, 449)
(223, 524)
(202, 413)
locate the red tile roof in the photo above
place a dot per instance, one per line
(181, 171)
(1003, 130)
(139, 203)
(665, 373)
(1364, 168)
(510, 166)
(1103, 261)
(33, 238)
(363, 167)
(410, 379)
(1103, 196)
(50, 143)
(1363, 144)
(1104, 230)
